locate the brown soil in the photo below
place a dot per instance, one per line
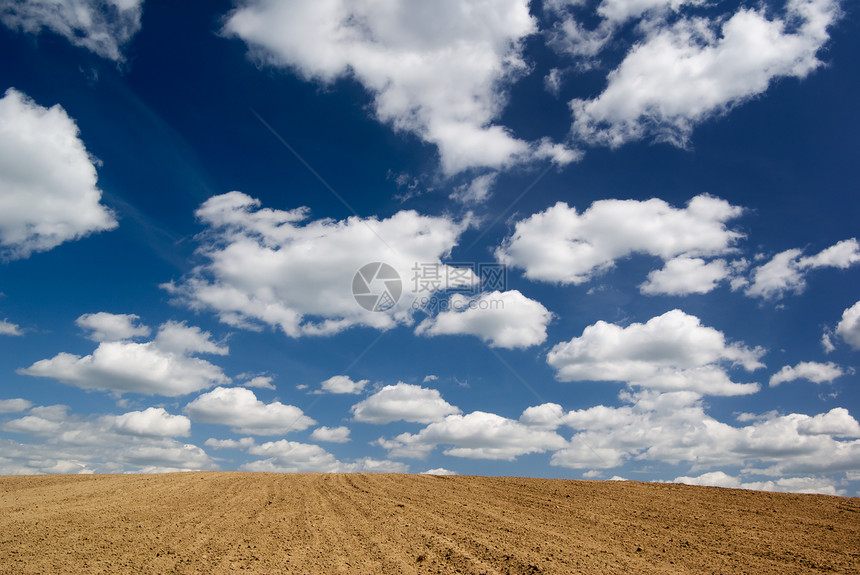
(269, 523)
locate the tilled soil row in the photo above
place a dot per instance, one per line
(264, 523)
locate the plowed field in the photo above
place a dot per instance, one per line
(364, 523)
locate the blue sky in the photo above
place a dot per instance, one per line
(618, 237)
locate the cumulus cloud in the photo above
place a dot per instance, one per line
(244, 443)
(260, 381)
(819, 485)
(544, 416)
(268, 267)
(292, 457)
(403, 402)
(786, 271)
(177, 337)
(342, 384)
(47, 177)
(439, 71)
(674, 428)
(16, 405)
(439, 471)
(9, 328)
(501, 319)
(63, 442)
(670, 352)
(849, 326)
(561, 245)
(239, 408)
(153, 421)
(477, 435)
(105, 326)
(101, 26)
(164, 366)
(331, 434)
(684, 73)
(809, 370)
(684, 275)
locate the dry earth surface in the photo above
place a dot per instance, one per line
(365, 523)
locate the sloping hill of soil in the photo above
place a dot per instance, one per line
(365, 523)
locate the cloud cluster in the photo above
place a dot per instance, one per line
(783, 484)
(47, 177)
(674, 428)
(561, 245)
(53, 440)
(670, 352)
(476, 435)
(689, 69)
(163, 366)
(101, 26)
(294, 457)
(274, 268)
(438, 71)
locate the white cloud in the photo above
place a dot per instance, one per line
(32, 424)
(809, 370)
(168, 458)
(501, 319)
(9, 328)
(544, 416)
(684, 275)
(153, 421)
(403, 402)
(619, 11)
(342, 384)
(827, 342)
(68, 443)
(784, 484)
(331, 434)
(437, 70)
(244, 413)
(786, 271)
(16, 405)
(267, 267)
(102, 27)
(561, 245)
(163, 366)
(244, 443)
(477, 435)
(260, 381)
(673, 428)
(670, 352)
(179, 338)
(849, 326)
(111, 326)
(837, 422)
(439, 471)
(476, 191)
(47, 177)
(291, 457)
(685, 73)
